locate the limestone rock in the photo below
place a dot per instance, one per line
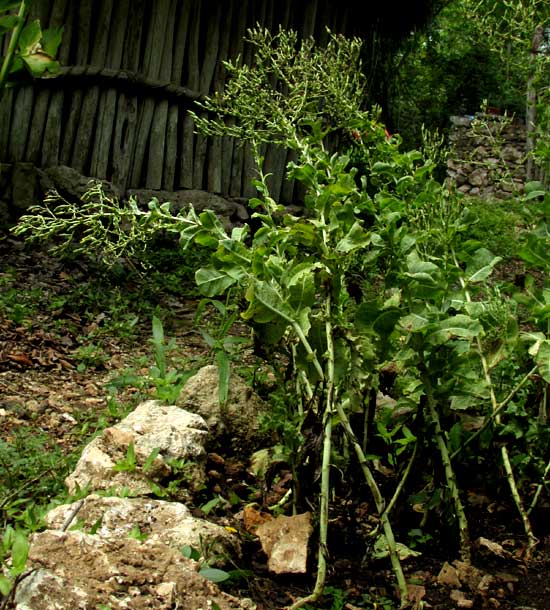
(285, 542)
(79, 571)
(169, 523)
(238, 419)
(175, 433)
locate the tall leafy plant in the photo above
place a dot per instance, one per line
(373, 277)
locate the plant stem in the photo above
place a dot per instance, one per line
(379, 501)
(8, 59)
(325, 469)
(402, 482)
(465, 550)
(540, 487)
(495, 412)
(532, 540)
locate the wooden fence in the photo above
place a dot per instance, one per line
(130, 71)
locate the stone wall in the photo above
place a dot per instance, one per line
(487, 157)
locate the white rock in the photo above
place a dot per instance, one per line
(176, 433)
(170, 523)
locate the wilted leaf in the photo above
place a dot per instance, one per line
(381, 550)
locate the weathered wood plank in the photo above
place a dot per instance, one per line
(193, 65)
(83, 16)
(108, 101)
(151, 68)
(52, 132)
(82, 151)
(124, 140)
(216, 151)
(134, 32)
(5, 120)
(186, 161)
(180, 42)
(160, 118)
(53, 120)
(38, 123)
(308, 27)
(232, 152)
(235, 188)
(211, 46)
(171, 153)
(191, 77)
(176, 112)
(199, 159)
(23, 104)
(71, 127)
(83, 31)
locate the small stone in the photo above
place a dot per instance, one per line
(285, 542)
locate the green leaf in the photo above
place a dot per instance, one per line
(481, 265)
(456, 326)
(51, 39)
(300, 282)
(151, 459)
(158, 331)
(213, 574)
(8, 23)
(224, 374)
(19, 553)
(190, 553)
(542, 360)
(39, 62)
(269, 296)
(414, 322)
(535, 251)
(212, 281)
(5, 585)
(356, 238)
(211, 504)
(30, 37)
(8, 5)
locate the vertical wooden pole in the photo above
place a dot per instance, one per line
(158, 128)
(171, 178)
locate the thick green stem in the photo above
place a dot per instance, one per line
(379, 501)
(8, 59)
(465, 550)
(531, 538)
(325, 470)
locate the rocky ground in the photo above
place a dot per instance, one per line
(76, 356)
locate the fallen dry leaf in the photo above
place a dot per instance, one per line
(20, 359)
(484, 544)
